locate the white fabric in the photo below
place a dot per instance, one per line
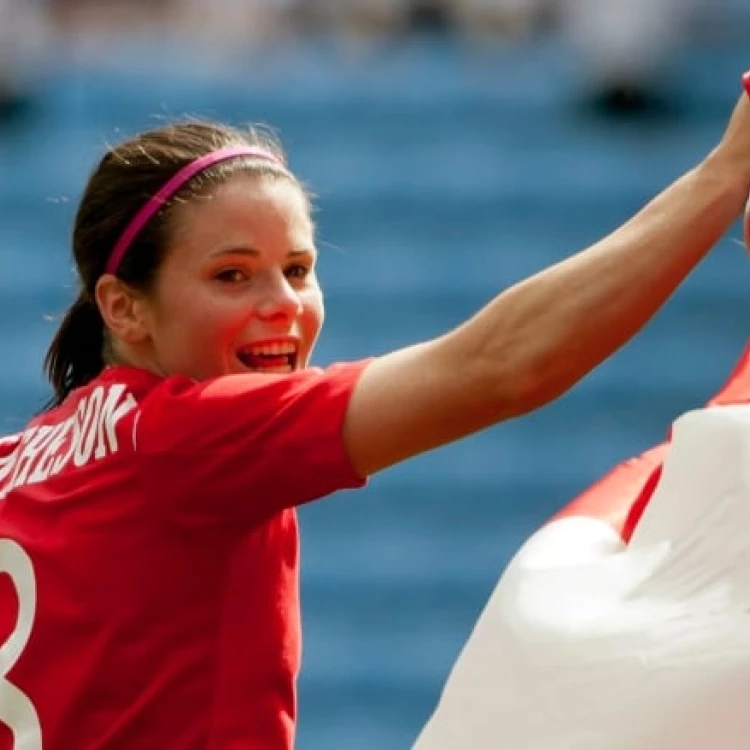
(587, 644)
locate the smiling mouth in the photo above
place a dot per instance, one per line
(272, 358)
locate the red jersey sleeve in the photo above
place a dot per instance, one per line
(246, 446)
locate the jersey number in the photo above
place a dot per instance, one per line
(17, 711)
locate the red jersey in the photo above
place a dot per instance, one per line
(149, 559)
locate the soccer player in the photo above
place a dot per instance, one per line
(148, 533)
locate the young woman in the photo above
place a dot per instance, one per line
(147, 527)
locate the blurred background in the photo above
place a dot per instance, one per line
(455, 146)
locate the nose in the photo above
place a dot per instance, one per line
(280, 303)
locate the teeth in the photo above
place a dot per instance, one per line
(273, 350)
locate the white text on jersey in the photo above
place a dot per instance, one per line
(87, 435)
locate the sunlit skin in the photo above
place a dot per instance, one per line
(239, 274)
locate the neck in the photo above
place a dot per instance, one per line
(118, 354)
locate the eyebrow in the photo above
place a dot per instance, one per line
(252, 252)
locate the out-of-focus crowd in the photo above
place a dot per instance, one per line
(622, 44)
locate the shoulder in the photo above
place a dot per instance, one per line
(95, 421)
(258, 392)
(245, 407)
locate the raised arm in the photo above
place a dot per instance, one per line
(538, 338)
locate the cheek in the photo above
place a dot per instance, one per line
(198, 322)
(313, 312)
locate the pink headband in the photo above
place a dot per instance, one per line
(152, 206)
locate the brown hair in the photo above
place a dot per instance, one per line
(125, 178)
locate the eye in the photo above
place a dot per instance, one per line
(232, 276)
(297, 271)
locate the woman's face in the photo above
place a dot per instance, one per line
(237, 291)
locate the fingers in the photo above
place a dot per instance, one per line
(746, 82)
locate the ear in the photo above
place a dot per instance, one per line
(122, 309)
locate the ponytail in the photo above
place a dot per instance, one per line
(75, 354)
